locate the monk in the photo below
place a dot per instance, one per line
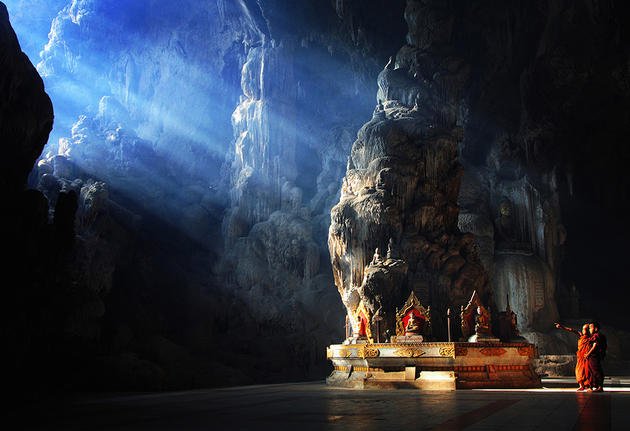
(582, 375)
(594, 357)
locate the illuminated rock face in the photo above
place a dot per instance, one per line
(401, 189)
(290, 145)
(172, 68)
(219, 121)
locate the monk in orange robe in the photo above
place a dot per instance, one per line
(582, 370)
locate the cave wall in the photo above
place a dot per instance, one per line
(159, 290)
(178, 237)
(533, 69)
(290, 145)
(26, 119)
(26, 113)
(530, 131)
(395, 228)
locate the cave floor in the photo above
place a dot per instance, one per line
(314, 406)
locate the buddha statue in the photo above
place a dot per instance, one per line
(482, 321)
(413, 326)
(376, 259)
(390, 250)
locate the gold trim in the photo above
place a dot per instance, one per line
(448, 352)
(413, 303)
(458, 368)
(366, 369)
(458, 345)
(484, 368)
(341, 353)
(368, 352)
(409, 352)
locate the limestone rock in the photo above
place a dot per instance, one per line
(402, 183)
(26, 113)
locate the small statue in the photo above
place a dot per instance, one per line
(413, 326)
(376, 259)
(390, 249)
(416, 103)
(482, 322)
(476, 313)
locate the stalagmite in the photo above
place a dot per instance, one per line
(400, 192)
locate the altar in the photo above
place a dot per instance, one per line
(433, 365)
(485, 357)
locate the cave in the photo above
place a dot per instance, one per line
(203, 193)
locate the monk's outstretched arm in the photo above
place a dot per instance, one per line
(575, 331)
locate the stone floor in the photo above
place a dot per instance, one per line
(314, 406)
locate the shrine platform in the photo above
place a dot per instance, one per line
(433, 365)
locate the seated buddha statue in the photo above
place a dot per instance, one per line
(482, 321)
(413, 326)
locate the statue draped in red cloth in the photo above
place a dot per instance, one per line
(582, 370)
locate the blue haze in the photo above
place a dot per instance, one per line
(144, 93)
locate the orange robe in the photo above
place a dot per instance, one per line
(582, 370)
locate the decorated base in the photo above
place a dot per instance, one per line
(476, 338)
(434, 366)
(408, 339)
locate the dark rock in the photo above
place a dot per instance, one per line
(26, 113)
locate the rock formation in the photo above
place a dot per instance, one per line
(26, 118)
(205, 144)
(26, 114)
(151, 193)
(402, 185)
(289, 150)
